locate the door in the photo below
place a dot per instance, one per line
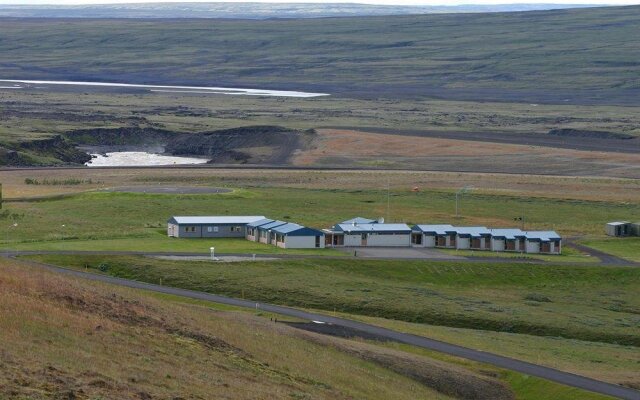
(363, 240)
(317, 241)
(416, 238)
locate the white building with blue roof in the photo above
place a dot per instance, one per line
(294, 236)
(372, 234)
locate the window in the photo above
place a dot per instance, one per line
(209, 228)
(189, 228)
(215, 229)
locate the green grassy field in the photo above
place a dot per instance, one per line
(128, 221)
(580, 302)
(627, 248)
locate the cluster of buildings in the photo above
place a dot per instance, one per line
(623, 228)
(363, 232)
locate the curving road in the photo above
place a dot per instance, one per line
(555, 375)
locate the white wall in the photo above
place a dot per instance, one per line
(532, 246)
(302, 242)
(389, 240)
(497, 244)
(403, 240)
(463, 243)
(352, 240)
(429, 241)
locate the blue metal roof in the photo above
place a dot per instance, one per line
(260, 223)
(401, 228)
(359, 220)
(473, 231)
(543, 236)
(436, 229)
(507, 233)
(291, 229)
(272, 225)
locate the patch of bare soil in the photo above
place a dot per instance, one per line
(348, 148)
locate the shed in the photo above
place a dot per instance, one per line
(374, 234)
(433, 236)
(294, 236)
(473, 237)
(619, 228)
(209, 226)
(548, 242)
(507, 240)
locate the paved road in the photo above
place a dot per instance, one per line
(455, 350)
(605, 258)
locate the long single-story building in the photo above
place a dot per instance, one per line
(548, 242)
(209, 227)
(482, 238)
(294, 236)
(370, 234)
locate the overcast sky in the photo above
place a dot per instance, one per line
(396, 2)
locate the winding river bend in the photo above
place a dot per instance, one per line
(23, 84)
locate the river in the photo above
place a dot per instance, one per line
(139, 159)
(166, 89)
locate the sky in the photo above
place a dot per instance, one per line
(391, 2)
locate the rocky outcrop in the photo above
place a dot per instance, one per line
(120, 136)
(253, 144)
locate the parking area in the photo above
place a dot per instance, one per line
(413, 253)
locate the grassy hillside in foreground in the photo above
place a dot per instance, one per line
(58, 337)
(578, 55)
(578, 302)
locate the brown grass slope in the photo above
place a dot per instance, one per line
(64, 338)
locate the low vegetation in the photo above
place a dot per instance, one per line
(58, 335)
(627, 248)
(136, 221)
(578, 302)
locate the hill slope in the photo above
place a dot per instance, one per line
(565, 56)
(63, 338)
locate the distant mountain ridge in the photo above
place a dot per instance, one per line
(256, 10)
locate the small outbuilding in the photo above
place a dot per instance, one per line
(508, 240)
(209, 227)
(473, 237)
(294, 236)
(619, 228)
(433, 236)
(547, 242)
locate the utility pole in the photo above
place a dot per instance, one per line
(388, 198)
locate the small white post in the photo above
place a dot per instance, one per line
(254, 257)
(213, 253)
